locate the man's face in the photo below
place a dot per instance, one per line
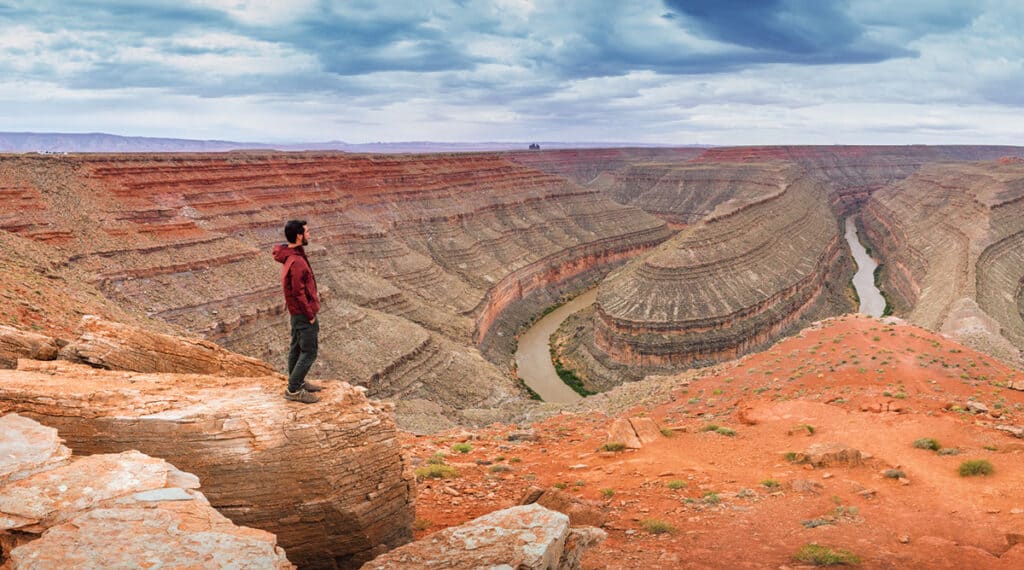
(305, 235)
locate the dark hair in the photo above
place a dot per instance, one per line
(293, 229)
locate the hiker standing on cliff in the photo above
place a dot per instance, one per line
(303, 304)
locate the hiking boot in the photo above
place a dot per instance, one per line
(301, 396)
(311, 387)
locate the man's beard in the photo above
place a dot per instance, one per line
(305, 240)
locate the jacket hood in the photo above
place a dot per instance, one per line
(282, 252)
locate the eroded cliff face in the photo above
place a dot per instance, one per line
(418, 256)
(952, 240)
(755, 267)
(584, 166)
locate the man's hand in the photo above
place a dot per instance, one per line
(312, 321)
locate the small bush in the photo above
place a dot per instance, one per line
(656, 526)
(726, 431)
(710, 427)
(436, 471)
(805, 427)
(976, 467)
(580, 483)
(668, 432)
(500, 468)
(948, 451)
(927, 443)
(608, 493)
(516, 460)
(613, 446)
(770, 484)
(676, 484)
(711, 498)
(560, 485)
(436, 459)
(815, 523)
(893, 474)
(792, 456)
(462, 447)
(824, 556)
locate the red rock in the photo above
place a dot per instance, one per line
(621, 431)
(16, 343)
(646, 429)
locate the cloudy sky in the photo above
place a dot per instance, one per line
(647, 71)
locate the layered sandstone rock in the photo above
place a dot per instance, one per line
(329, 480)
(110, 511)
(753, 269)
(526, 537)
(587, 165)
(116, 346)
(853, 173)
(17, 343)
(952, 242)
(422, 256)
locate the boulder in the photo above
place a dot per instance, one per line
(328, 479)
(830, 455)
(125, 510)
(523, 537)
(16, 343)
(646, 429)
(621, 431)
(580, 511)
(976, 407)
(116, 346)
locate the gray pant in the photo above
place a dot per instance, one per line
(302, 351)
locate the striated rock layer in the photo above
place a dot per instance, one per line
(329, 480)
(419, 256)
(759, 264)
(952, 240)
(124, 510)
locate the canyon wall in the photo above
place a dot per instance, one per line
(417, 256)
(951, 237)
(584, 166)
(753, 268)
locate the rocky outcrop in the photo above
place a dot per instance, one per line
(16, 343)
(525, 537)
(110, 511)
(951, 238)
(587, 165)
(329, 480)
(753, 269)
(115, 346)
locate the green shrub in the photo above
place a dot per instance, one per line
(726, 431)
(436, 471)
(668, 432)
(613, 446)
(806, 427)
(560, 485)
(948, 451)
(893, 474)
(500, 468)
(976, 467)
(516, 460)
(792, 456)
(462, 447)
(676, 484)
(824, 556)
(608, 493)
(436, 459)
(656, 526)
(927, 443)
(711, 498)
(770, 484)
(710, 427)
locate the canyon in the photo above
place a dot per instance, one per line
(141, 310)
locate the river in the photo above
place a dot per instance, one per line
(533, 355)
(871, 301)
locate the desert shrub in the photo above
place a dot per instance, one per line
(825, 556)
(500, 468)
(516, 460)
(436, 459)
(927, 443)
(657, 526)
(893, 474)
(462, 447)
(560, 485)
(976, 467)
(711, 498)
(608, 493)
(726, 431)
(948, 451)
(613, 446)
(436, 471)
(770, 483)
(805, 427)
(668, 432)
(676, 484)
(792, 456)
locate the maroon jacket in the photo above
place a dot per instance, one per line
(297, 281)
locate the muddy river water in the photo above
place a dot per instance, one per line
(533, 356)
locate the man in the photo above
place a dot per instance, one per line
(303, 304)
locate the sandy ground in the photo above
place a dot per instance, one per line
(838, 378)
